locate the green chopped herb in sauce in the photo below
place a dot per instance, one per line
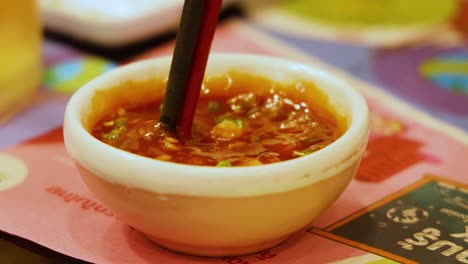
(228, 117)
(224, 163)
(121, 121)
(114, 133)
(118, 128)
(214, 106)
(304, 152)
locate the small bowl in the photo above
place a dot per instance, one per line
(213, 211)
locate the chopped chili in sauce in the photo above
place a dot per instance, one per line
(240, 129)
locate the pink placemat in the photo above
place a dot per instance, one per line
(47, 202)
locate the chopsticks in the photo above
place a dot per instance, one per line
(193, 44)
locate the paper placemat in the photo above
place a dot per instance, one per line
(412, 183)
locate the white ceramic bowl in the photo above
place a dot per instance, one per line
(214, 211)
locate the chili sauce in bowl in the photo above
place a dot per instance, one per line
(232, 129)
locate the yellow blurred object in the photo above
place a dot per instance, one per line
(20, 52)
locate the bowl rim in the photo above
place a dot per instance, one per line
(120, 166)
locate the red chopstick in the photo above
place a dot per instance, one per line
(193, 44)
(203, 46)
